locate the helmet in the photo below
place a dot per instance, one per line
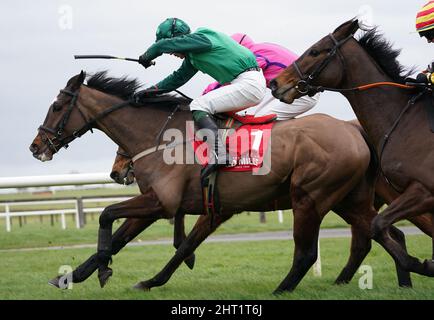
(425, 18)
(243, 39)
(172, 27)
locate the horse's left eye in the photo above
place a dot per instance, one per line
(314, 53)
(57, 106)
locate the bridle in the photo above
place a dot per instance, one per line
(304, 86)
(58, 142)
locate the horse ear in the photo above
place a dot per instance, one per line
(81, 78)
(75, 82)
(348, 28)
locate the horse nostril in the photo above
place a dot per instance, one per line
(33, 148)
(114, 175)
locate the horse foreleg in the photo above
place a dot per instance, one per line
(179, 236)
(129, 229)
(146, 207)
(201, 230)
(414, 201)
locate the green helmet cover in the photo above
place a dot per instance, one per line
(172, 27)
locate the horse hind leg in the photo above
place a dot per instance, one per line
(361, 243)
(306, 230)
(179, 236)
(201, 230)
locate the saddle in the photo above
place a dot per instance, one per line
(231, 122)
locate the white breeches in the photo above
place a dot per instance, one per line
(284, 111)
(245, 91)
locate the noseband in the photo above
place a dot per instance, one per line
(304, 84)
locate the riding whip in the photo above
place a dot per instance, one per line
(106, 57)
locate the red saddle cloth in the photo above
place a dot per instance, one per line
(246, 146)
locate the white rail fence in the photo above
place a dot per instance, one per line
(79, 210)
(78, 204)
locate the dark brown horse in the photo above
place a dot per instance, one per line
(317, 163)
(395, 121)
(123, 173)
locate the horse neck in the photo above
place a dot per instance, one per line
(378, 108)
(133, 129)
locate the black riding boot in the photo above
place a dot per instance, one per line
(218, 155)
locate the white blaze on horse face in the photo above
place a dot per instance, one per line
(44, 157)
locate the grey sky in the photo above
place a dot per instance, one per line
(36, 56)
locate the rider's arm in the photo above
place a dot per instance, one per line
(177, 78)
(182, 44)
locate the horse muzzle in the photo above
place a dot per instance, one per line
(42, 154)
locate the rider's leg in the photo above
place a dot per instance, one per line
(245, 91)
(284, 111)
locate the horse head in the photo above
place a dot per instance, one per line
(320, 65)
(64, 122)
(122, 170)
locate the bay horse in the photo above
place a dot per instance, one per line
(318, 163)
(393, 116)
(123, 173)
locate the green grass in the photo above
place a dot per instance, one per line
(237, 270)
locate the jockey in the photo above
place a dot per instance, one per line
(425, 28)
(217, 55)
(272, 59)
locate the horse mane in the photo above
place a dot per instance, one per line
(382, 51)
(125, 87)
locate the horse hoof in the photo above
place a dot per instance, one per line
(278, 292)
(429, 267)
(340, 282)
(142, 286)
(190, 261)
(55, 282)
(104, 276)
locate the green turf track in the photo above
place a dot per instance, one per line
(237, 270)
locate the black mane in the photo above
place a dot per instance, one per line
(125, 88)
(382, 51)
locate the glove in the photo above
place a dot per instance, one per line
(147, 93)
(426, 78)
(144, 61)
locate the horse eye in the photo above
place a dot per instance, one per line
(314, 53)
(57, 106)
